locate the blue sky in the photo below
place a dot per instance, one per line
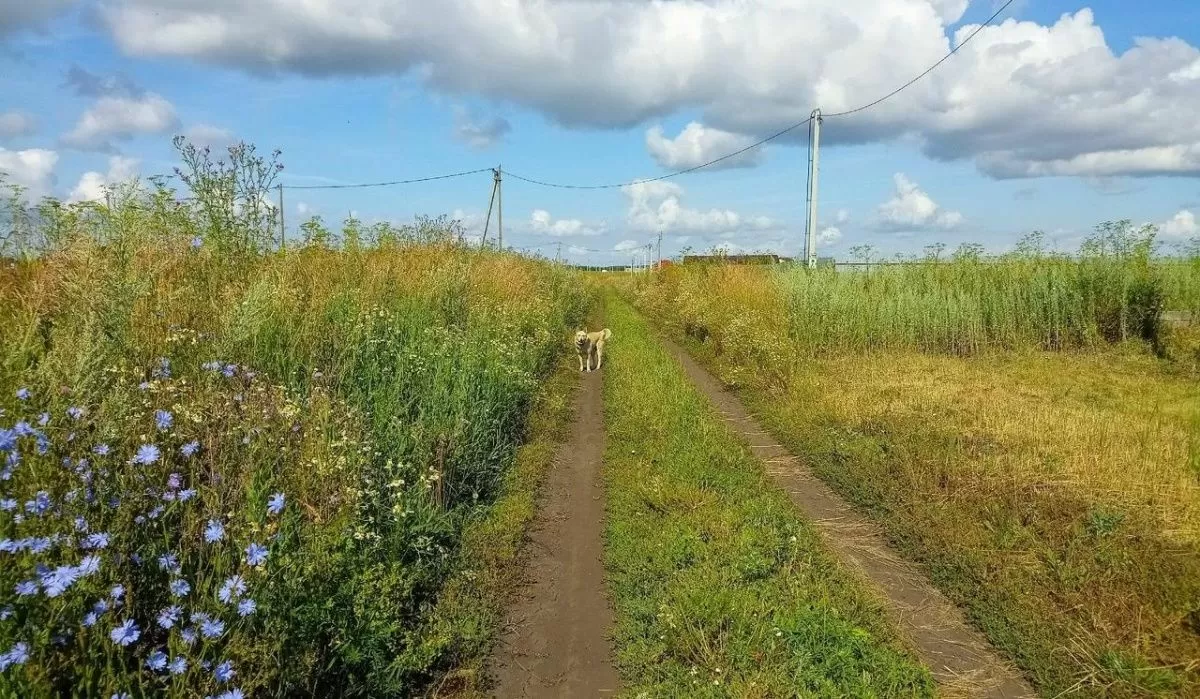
(1040, 123)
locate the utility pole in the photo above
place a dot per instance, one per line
(658, 258)
(491, 202)
(282, 227)
(558, 255)
(814, 160)
(500, 206)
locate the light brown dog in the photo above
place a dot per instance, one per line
(587, 344)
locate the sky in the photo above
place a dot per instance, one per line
(1058, 116)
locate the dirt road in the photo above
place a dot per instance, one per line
(961, 659)
(555, 642)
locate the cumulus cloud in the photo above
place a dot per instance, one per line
(479, 133)
(120, 118)
(542, 222)
(15, 123)
(32, 169)
(208, 136)
(15, 16)
(1022, 99)
(829, 235)
(121, 110)
(627, 245)
(698, 144)
(1182, 225)
(93, 185)
(658, 206)
(912, 209)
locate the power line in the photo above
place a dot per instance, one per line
(777, 134)
(387, 184)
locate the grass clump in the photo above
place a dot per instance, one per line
(720, 588)
(156, 346)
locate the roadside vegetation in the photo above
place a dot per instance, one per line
(230, 470)
(720, 587)
(1026, 427)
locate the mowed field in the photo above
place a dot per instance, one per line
(1023, 428)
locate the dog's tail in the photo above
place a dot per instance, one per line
(607, 333)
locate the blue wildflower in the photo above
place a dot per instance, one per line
(100, 450)
(233, 588)
(8, 439)
(100, 607)
(26, 588)
(39, 504)
(23, 393)
(211, 366)
(125, 634)
(275, 503)
(180, 587)
(163, 419)
(8, 504)
(38, 544)
(224, 672)
(74, 412)
(163, 370)
(17, 655)
(23, 429)
(117, 592)
(212, 628)
(188, 494)
(174, 481)
(89, 565)
(121, 695)
(190, 448)
(169, 616)
(197, 241)
(57, 581)
(247, 607)
(231, 694)
(146, 454)
(256, 554)
(90, 619)
(144, 386)
(188, 635)
(178, 665)
(99, 540)
(215, 531)
(6, 612)
(158, 510)
(157, 661)
(169, 562)
(81, 525)
(43, 419)
(10, 546)
(229, 370)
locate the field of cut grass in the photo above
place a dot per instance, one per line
(1054, 494)
(720, 588)
(229, 470)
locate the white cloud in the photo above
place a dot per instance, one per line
(15, 16)
(698, 144)
(302, 208)
(540, 221)
(829, 235)
(1182, 225)
(1022, 99)
(627, 245)
(479, 133)
(208, 136)
(15, 123)
(912, 209)
(658, 206)
(119, 117)
(32, 169)
(842, 216)
(93, 185)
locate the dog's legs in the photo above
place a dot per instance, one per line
(599, 356)
(579, 356)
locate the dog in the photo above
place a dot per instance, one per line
(587, 343)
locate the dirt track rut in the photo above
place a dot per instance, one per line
(555, 643)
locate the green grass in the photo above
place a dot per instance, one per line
(720, 587)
